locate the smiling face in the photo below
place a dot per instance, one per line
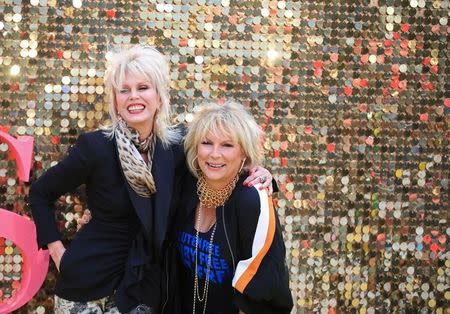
(219, 158)
(137, 102)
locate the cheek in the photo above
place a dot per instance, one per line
(118, 101)
(202, 153)
(199, 152)
(237, 154)
(153, 96)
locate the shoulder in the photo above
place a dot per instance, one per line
(176, 139)
(177, 145)
(96, 140)
(93, 145)
(245, 195)
(181, 129)
(98, 137)
(249, 201)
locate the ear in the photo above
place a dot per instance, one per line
(160, 102)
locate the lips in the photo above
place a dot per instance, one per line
(135, 108)
(215, 165)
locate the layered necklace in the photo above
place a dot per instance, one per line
(209, 198)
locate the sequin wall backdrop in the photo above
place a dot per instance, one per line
(353, 97)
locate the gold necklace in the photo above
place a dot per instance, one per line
(204, 297)
(211, 198)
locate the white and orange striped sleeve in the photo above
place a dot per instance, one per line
(262, 240)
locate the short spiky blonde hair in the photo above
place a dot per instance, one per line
(231, 119)
(148, 62)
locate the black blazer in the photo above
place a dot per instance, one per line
(119, 251)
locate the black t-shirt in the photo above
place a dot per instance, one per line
(220, 291)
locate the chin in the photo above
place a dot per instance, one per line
(212, 177)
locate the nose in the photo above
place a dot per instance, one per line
(215, 151)
(133, 93)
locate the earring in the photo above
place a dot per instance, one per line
(242, 165)
(193, 164)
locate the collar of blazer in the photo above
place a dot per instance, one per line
(153, 212)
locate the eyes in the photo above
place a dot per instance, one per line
(142, 87)
(224, 144)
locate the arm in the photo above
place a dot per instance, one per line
(65, 176)
(261, 278)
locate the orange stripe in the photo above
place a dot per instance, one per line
(251, 270)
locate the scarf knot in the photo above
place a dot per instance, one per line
(136, 170)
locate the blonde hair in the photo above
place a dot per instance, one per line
(148, 62)
(231, 119)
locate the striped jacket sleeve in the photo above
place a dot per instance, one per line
(261, 276)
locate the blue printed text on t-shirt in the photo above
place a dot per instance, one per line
(219, 269)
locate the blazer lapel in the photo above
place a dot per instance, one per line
(163, 172)
(153, 212)
(142, 205)
(190, 197)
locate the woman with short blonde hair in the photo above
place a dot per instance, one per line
(229, 118)
(229, 244)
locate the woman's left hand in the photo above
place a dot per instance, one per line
(84, 219)
(261, 175)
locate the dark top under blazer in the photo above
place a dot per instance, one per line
(118, 251)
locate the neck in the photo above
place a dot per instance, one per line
(144, 132)
(217, 185)
(214, 185)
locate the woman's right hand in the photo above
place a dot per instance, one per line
(56, 250)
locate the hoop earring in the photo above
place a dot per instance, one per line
(193, 164)
(242, 165)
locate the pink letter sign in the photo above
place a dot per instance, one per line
(22, 231)
(22, 151)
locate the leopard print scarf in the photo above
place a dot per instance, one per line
(137, 171)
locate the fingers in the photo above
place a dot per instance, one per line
(266, 184)
(252, 182)
(80, 223)
(265, 179)
(270, 190)
(84, 219)
(87, 214)
(58, 262)
(259, 175)
(251, 177)
(56, 252)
